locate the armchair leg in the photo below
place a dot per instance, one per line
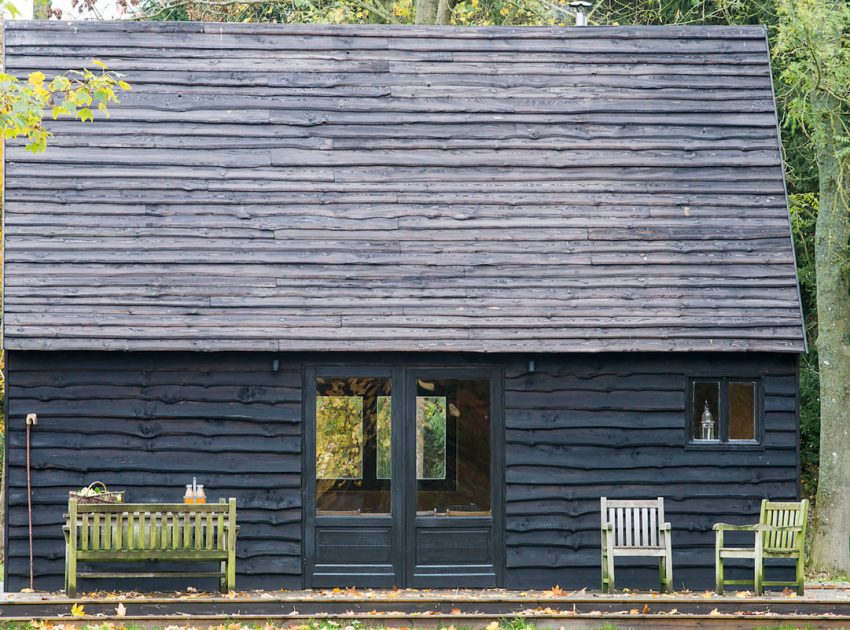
(668, 572)
(801, 578)
(662, 574)
(718, 563)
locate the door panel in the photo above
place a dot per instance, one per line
(353, 520)
(451, 538)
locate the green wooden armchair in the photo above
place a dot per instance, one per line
(780, 533)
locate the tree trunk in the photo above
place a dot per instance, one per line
(426, 11)
(444, 12)
(831, 547)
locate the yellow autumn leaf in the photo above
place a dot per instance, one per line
(77, 610)
(99, 63)
(36, 78)
(742, 594)
(714, 613)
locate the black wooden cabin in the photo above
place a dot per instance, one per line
(416, 297)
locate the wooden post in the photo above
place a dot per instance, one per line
(231, 546)
(71, 551)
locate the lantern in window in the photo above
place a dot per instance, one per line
(707, 425)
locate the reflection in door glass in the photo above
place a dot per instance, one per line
(384, 439)
(453, 447)
(430, 437)
(352, 446)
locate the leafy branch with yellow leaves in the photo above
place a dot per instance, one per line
(75, 93)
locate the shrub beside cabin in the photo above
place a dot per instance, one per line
(416, 297)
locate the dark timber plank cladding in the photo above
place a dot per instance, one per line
(577, 428)
(148, 423)
(271, 187)
(582, 427)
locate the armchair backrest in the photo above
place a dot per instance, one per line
(792, 517)
(634, 523)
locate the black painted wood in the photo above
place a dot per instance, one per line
(576, 427)
(312, 187)
(148, 424)
(581, 427)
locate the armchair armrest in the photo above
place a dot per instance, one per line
(608, 527)
(665, 527)
(726, 527)
(778, 528)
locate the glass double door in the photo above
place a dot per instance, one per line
(402, 488)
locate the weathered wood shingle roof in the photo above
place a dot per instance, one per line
(375, 188)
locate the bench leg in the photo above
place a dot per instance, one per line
(801, 578)
(609, 585)
(668, 559)
(71, 578)
(222, 581)
(231, 571)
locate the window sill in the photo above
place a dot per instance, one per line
(716, 445)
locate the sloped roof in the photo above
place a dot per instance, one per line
(389, 188)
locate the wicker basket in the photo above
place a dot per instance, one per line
(104, 496)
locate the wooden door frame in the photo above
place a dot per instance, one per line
(308, 475)
(494, 374)
(403, 498)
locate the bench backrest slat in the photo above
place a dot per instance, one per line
(149, 527)
(634, 523)
(784, 514)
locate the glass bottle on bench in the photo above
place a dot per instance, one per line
(200, 497)
(189, 497)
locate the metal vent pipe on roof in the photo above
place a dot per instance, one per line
(581, 7)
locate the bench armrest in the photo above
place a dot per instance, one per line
(726, 527)
(664, 527)
(608, 527)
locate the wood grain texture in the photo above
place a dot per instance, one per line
(148, 424)
(576, 428)
(367, 188)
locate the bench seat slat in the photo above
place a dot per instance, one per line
(149, 574)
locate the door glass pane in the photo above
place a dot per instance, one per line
(742, 410)
(353, 417)
(430, 437)
(384, 442)
(453, 447)
(706, 398)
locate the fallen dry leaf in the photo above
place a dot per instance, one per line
(121, 610)
(743, 594)
(77, 610)
(555, 591)
(646, 609)
(456, 611)
(714, 613)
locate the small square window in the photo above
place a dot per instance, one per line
(724, 411)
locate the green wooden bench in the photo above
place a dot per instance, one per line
(780, 533)
(139, 532)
